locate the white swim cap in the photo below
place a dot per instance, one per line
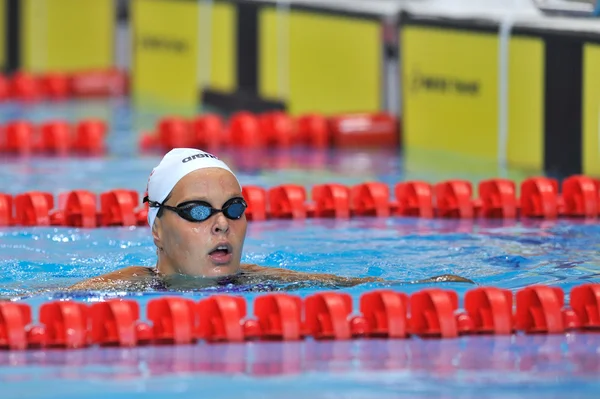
(174, 166)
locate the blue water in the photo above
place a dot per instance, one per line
(399, 250)
(474, 367)
(36, 264)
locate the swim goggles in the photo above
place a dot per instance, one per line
(199, 211)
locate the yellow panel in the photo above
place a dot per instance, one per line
(223, 47)
(68, 35)
(526, 104)
(165, 54)
(591, 110)
(450, 91)
(3, 33)
(267, 62)
(32, 33)
(334, 63)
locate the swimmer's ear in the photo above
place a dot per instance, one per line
(156, 233)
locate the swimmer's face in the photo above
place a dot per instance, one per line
(190, 248)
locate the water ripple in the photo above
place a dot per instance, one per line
(512, 257)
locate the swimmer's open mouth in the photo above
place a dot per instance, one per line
(221, 249)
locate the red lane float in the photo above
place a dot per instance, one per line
(33, 209)
(19, 138)
(585, 302)
(498, 199)
(175, 132)
(89, 136)
(220, 318)
(371, 199)
(208, 131)
(327, 315)
(79, 208)
(454, 199)
(540, 310)
(429, 313)
(65, 324)
(331, 200)
(433, 313)
(114, 323)
(97, 83)
(580, 196)
(386, 313)
(447, 199)
(173, 319)
(24, 87)
(55, 86)
(14, 319)
(539, 198)
(490, 310)
(120, 208)
(244, 131)
(364, 130)
(287, 201)
(415, 198)
(256, 198)
(313, 131)
(55, 137)
(276, 129)
(6, 210)
(4, 88)
(279, 316)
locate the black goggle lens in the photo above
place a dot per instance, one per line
(201, 211)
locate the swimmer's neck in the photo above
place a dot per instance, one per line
(167, 271)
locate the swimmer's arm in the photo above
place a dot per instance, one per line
(291, 275)
(112, 280)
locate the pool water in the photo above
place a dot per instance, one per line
(474, 367)
(36, 264)
(399, 250)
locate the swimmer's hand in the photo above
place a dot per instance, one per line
(446, 278)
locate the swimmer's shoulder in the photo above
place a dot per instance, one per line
(250, 267)
(116, 278)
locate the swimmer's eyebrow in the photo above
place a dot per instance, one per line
(193, 199)
(204, 199)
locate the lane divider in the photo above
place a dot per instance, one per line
(75, 208)
(540, 197)
(242, 130)
(26, 87)
(274, 129)
(55, 137)
(430, 313)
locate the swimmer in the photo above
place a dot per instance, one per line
(198, 224)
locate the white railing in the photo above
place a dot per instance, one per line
(569, 7)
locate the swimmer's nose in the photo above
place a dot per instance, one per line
(221, 224)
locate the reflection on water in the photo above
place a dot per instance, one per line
(518, 357)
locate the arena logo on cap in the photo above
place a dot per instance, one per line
(200, 155)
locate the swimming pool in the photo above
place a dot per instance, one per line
(36, 262)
